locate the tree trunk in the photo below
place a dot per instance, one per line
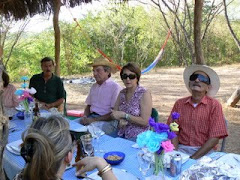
(3, 128)
(197, 31)
(230, 27)
(1, 54)
(235, 97)
(57, 33)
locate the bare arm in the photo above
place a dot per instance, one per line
(205, 148)
(146, 109)
(87, 110)
(116, 106)
(175, 142)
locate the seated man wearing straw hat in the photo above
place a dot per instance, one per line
(102, 96)
(201, 122)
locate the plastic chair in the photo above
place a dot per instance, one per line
(224, 139)
(155, 115)
(65, 103)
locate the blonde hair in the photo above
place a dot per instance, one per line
(45, 144)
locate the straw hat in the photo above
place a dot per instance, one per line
(102, 61)
(214, 79)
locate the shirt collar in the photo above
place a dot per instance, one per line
(203, 100)
(105, 82)
(50, 78)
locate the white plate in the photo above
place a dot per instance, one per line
(119, 173)
(19, 108)
(14, 147)
(77, 128)
(45, 114)
(12, 125)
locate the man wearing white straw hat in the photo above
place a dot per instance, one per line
(201, 122)
(102, 97)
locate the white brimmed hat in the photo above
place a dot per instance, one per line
(214, 79)
(102, 61)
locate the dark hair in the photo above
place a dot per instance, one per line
(47, 59)
(133, 67)
(107, 69)
(5, 78)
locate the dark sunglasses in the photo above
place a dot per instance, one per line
(200, 77)
(130, 76)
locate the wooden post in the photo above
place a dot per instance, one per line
(197, 31)
(3, 127)
(235, 97)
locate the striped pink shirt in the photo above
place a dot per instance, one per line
(10, 100)
(198, 124)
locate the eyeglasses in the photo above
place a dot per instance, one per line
(200, 77)
(130, 76)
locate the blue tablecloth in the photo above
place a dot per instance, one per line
(13, 164)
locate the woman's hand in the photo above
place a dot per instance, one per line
(118, 114)
(88, 164)
(122, 123)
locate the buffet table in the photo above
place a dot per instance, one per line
(13, 163)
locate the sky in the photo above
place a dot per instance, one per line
(40, 22)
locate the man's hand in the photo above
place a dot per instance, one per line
(86, 121)
(46, 106)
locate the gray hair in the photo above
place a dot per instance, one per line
(46, 143)
(107, 69)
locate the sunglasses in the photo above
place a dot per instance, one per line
(130, 76)
(200, 77)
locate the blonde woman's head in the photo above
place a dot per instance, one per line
(45, 144)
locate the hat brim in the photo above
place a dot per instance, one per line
(215, 81)
(104, 63)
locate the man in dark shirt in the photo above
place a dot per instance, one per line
(50, 89)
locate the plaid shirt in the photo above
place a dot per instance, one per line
(198, 124)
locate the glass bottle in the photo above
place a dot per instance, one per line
(80, 155)
(36, 112)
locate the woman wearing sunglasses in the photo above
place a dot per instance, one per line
(134, 104)
(48, 148)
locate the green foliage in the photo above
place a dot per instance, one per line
(125, 34)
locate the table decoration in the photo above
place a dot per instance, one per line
(25, 98)
(157, 141)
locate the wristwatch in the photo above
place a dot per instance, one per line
(127, 116)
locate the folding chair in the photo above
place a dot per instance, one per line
(155, 115)
(224, 139)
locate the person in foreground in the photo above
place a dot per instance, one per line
(50, 90)
(201, 122)
(48, 149)
(134, 104)
(102, 96)
(10, 100)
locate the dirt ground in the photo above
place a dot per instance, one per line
(167, 86)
